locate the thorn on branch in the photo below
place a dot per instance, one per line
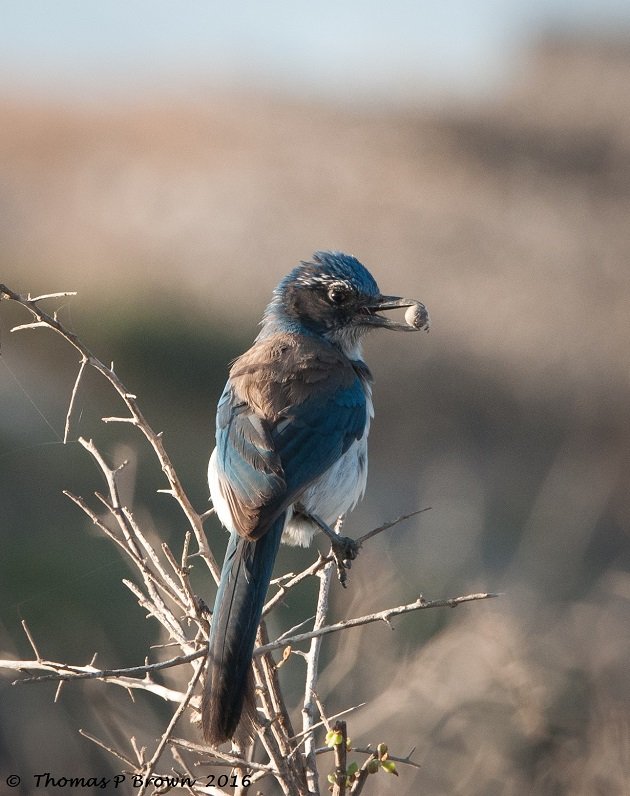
(58, 691)
(63, 294)
(107, 748)
(73, 396)
(31, 641)
(34, 325)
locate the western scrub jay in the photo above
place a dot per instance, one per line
(291, 452)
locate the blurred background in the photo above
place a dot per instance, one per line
(170, 163)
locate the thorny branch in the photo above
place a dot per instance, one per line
(309, 709)
(136, 418)
(290, 758)
(150, 766)
(66, 672)
(379, 616)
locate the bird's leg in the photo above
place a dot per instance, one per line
(344, 549)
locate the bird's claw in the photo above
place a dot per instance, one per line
(344, 550)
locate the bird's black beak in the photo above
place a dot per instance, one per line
(416, 317)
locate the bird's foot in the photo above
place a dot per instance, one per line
(344, 551)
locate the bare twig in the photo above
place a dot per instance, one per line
(107, 748)
(179, 760)
(216, 755)
(63, 294)
(123, 677)
(309, 715)
(44, 320)
(73, 396)
(129, 547)
(134, 539)
(285, 585)
(387, 525)
(380, 616)
(325, 721)
(367, 750)
(148, 769)
(181, 571)
(273, 737)
(31, 640)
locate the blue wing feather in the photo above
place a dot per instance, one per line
(264, 464)
(318, 433)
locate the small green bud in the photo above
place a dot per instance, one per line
(381, 751)
(352, 769)
(373, 767)
(389, 766)
(333, 738)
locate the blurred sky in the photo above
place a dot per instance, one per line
(357, 48)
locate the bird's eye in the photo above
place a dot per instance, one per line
(338, 295)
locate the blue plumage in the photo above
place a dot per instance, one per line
(291, 452)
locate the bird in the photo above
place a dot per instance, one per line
(290, 456)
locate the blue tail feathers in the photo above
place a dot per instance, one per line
(228, 693)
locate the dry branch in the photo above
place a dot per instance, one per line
(66, 672)
(380, 616)
(44, 320)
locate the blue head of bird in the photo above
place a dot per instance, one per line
(334, 296)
